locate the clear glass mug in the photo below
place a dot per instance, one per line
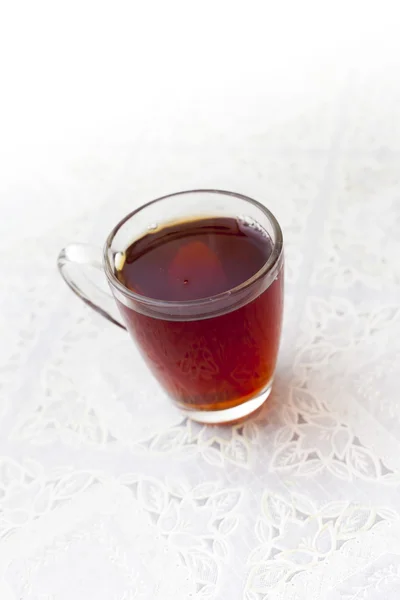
(216, 356)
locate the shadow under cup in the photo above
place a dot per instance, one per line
(215, 357)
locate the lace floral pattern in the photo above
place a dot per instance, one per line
(295, 536)
(367, 193)
(190, 528)
(101, 477)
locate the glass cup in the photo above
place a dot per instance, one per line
(216, 356)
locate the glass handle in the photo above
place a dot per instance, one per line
(80, 266)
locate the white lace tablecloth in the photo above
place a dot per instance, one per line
(106, 490)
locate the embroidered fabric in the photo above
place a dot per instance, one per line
(107, 491)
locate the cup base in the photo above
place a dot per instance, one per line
(230, 415)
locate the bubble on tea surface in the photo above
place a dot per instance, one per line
(119, 260)
(249, 223)
(196, 272)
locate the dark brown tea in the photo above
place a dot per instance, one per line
(209, 363)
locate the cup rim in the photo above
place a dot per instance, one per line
(273, 259)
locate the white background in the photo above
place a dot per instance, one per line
(120, 88)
